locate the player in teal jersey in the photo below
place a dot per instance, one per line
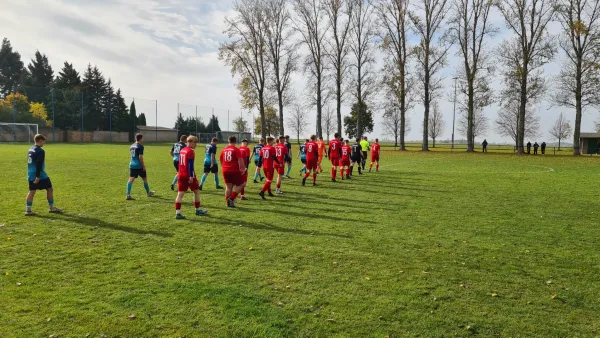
(210, 163)
(175, 153)
(37, 177)
(258, 159)
(137, 166)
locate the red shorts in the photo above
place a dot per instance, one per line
(183, 184)
(269, 173)
(375, 158)
(280, 170)
(335, 162)
(311, 165)
(345, 163)
(232, 177)
(245, 177)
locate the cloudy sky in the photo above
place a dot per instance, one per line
(166, 51)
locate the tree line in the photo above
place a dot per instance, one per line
(31, 93)
(341, 38)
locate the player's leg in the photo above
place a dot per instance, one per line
(229, 197)
(267, 186)
(215, 170)
(178, 201)
(199, 212)
(176, 165)
(204, 175)
(133, 174)
(146, 185)
(29, 202)
(289, 168)
(377, 168)
(334, 168)
(342, 169)
(50, 198)
(280, 172)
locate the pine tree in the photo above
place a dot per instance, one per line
(132, 121)
(11, 69)
(68, 77)
(40, 79)
(108, 122)
(213, 125)
(120, 113)
(94, 90)
(67, 98)
(142, 120)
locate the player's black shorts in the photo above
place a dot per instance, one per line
(288, 159)
(258, 163)
(43, 184)
(303, 160)
(366, 153)
(356, 159)
(176, 165)
(213, 170)
(137, 172)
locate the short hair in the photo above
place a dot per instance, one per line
(376, 140)
(39, 137)
(183, 138)
(262, 139)
(313, 137)
(307, 140)
(192, 139)
(287, 137)
(336, 135)
(270, 139)
(232, 139)
(321, 138)
(283, 137)
(365, 137)
(346, 141)
(358, 139)
(244, 141)
(214, 139)
(138, 136)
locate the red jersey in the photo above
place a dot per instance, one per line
(267, 153)
(245, 152)
(375, 148)
(312, 151)
(229, 159)
(281, 151)
(335, 149)
(346, 151)
(186, 162)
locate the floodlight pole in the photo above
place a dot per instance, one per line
(454, 114)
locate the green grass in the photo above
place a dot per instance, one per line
(415, 250)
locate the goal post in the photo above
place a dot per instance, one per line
(17, 132)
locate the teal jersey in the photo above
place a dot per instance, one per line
(176, 149)
(36, 166)
(135, 151)
(210, 150)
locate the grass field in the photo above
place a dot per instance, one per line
(437, 244)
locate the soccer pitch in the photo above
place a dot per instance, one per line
(436, 244)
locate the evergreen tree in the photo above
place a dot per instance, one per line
(11, 69)
(40, 79)
(142, 119)
(366, 118)
(67, 98)
(120, 113)
(94, 91)
(132, 122)
(213, 125)
(109, 121)
(68, 77)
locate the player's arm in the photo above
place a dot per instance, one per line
(171, 152)
(191, 170)
(241, 164)
(39, 164)
(141, 157)
(213, 161)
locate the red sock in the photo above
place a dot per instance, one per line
(177, 206)
(314, 178)
(333, 173)
(278, 185)
(196, 205)
(243, 191)
(371, 166)
(342, 172)
(269, 187)
(307, 175)
(377, 166)
(265, 187)
(233, 195)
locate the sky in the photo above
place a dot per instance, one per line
(164, 54)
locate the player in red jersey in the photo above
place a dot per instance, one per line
(281, 151)
(375, 149)
(267, 155)
(186, 178)
(345, 165)
(232, 164)
(335, 154)
(312, 160)
(245, 152)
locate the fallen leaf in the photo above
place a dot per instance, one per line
(9, 238)
(287, 287)
(549, 282)
(132, 316)
(19, 284)
(554, 296)
(367, 278)
(494, 295)
(48, 319)
(6, 273)
(250, 248)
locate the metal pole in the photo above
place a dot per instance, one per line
(156, 118)
(109, 120)
(15, 116)
(82, 117)
(454, 115)
(53, 122)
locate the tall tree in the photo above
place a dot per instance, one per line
(120, 113)
(480, 124)
(312, 27)
(142, 119)
(240, 125)
(94, 92)
(529, 50)
(579, 78)
(362, 45)
(597, 125)
(282, 51)
(247, 53)
(133, 122)
(507, 122)
(11, 68)
(366, 116)
(271, 125)
(471, 29)
(561, 129)
(67, 98)
(298, 121)
(393, 22)
(108, 103)
(436, 123)
(429, 19)
(395, 123)
(213, 125)
(40, 79)
(329, 121)
(338, 14)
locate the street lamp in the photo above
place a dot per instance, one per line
(454, 115)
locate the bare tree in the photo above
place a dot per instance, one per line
(362, 47)
(298, 121)
(240, 125)
(480, 124)
(246, 52)
(312, 27)
(393, 23)
(507, 122)
(579, 78)
(282, 51)
(561, 129)
(395, 123)
(470, 27)
(531, 48)
(329, 120)
(597, 123)
(436, 122)
(428, 19)
(338, 13)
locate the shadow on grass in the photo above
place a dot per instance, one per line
(263, 226)
(83, 220)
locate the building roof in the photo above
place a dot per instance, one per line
(589, 135)
(151, 128)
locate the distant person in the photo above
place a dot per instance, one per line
(529, 147)
(137, 167)
(37, 177)
(175, 150)
(210, 163)
(535, 148)
(364, 144)
(543, 148)
(484, 145)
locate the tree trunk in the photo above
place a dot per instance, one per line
(339, 99)
(426, 102)
(578, 110)
(434, 142)
(470, 117)
(280, 96)
(261, 107)
(522, 109)
(319, 108)
(559, 146)
(402, 112)
(359, 95)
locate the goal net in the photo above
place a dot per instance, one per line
(17, 132)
